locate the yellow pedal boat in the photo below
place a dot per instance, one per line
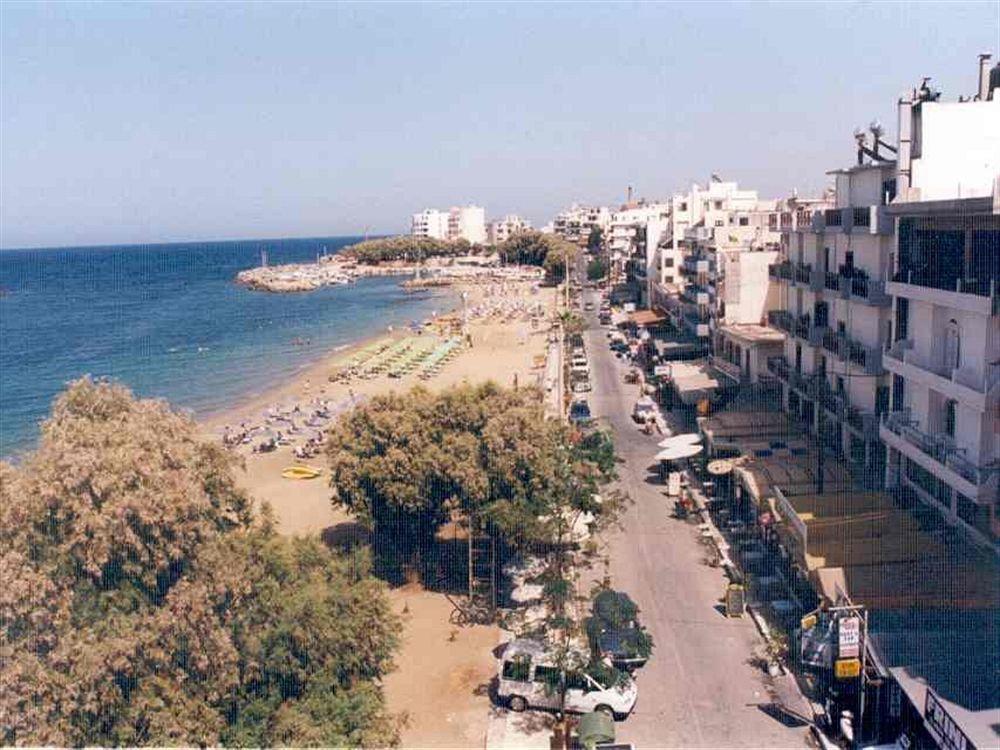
(301, 472)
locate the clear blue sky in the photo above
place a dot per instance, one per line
(145, 123)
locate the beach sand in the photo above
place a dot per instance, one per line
(438, 682)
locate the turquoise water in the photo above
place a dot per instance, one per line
(168, 321)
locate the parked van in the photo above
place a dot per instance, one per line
(529, 678)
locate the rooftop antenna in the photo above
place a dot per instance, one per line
(876, 128)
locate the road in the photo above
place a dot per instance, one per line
(698, 690)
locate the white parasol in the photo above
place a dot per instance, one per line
(677, 452)
(689, 438)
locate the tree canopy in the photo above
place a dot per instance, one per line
(532, 248)
(406, 248)
(141, 601)
(404, 462)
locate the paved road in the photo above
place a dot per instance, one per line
(698, 689)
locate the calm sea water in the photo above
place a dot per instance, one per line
(168, 321)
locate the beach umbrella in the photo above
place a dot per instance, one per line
(677, 452)
(689, 438)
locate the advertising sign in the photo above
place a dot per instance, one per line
(849, 637)
(662, 370)
(736, 604)
(948, 733)
(846, 669)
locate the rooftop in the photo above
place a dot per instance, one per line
(753, 333)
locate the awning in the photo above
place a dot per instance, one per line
(677, 452)
(646, 317)
(689, 438)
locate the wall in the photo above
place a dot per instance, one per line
(960, 149)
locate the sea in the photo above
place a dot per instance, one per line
(169, 322)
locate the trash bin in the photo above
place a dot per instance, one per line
(595, 727)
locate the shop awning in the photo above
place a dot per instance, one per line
(689, 438)
(646, 317)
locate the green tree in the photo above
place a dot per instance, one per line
(595, 240)
(404, 463)
(597, 269)
(141, 602)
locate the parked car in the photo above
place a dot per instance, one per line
(582, 385)
(579, 412)
(529, 677)
(614, 631)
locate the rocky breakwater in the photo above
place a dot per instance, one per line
(295, 277)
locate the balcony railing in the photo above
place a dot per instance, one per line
(958, 284)
(779, 367)
(803, 273)
(859, 286)
(831, 281)
(781, 271)
(939, 447)
(833, 217)
(832, 341)
(782, 320)
(802, 326)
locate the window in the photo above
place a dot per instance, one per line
(547, 675)
(578, 681)
(517, 669)
(953, 345)
(684, 206)
(719, 223)
(840, 384)
(949, 417)
(668, 262)
(718, 205)
(744, 221)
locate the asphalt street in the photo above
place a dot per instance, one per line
(698, 690)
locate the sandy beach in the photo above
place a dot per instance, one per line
(441, 671)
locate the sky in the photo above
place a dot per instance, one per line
(132, 123)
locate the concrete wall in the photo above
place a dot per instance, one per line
(959, 149)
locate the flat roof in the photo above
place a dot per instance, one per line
(754, 333)
(727, 425)
(980, 205)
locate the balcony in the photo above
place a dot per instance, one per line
(867, 358)
(781, 271)
(831, 281)
(802, 326)
(778, 366)
(937, 453)
(862, 421)
(729, 369)
(833, 217)
(970, 295)
(978, 390)
(803, 273)
(782, 320)
(832, 342)
(860, 288)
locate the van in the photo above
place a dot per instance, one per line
(529, 678)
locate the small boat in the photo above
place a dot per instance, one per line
(301, 472)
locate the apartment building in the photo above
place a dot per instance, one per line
(726, 249)
(503, 229)
(943, 430)
(633, 238)
(430, 223)
(467, 223)
(835, 309)
(576, 223)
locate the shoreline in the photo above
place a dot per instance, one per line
(508, 329)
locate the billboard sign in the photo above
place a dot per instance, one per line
(849, 637)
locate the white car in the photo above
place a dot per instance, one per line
(529, 678)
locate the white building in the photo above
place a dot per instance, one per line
(459, 222)
(503, 229)
(575, 223)
(943, 431)
(632, 239)
(726, 247)
(430, 223)
(835, 311)
(467, 223)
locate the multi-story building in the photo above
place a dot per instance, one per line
(727, 248)
(576, 223)
(943, 431)
(430, 223)
(633, 237)
(835, 311)
(503, 229)
(467, 223)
